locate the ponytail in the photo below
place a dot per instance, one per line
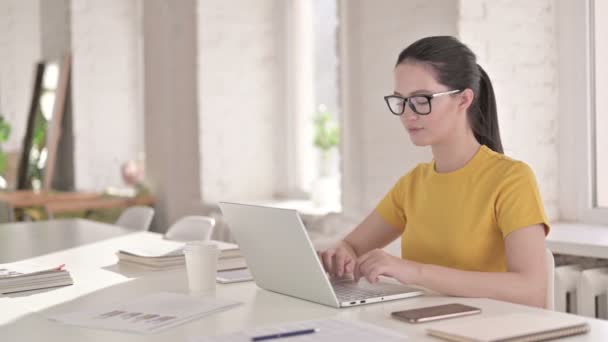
(483, 116)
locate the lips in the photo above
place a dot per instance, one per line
(414, 129)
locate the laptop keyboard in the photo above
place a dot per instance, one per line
(349, 290)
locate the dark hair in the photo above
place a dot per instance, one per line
(455, 66)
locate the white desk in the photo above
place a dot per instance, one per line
(24, 240)
(23, 318)
(579, 239)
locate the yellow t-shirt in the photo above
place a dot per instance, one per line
(460, 219)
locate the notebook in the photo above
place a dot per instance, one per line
(26, 276)
(162, 255)
(518, 327)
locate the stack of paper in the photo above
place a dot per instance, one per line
(166, 255)
(149, 314)
(22, 276)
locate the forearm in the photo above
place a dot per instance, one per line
(513, 287)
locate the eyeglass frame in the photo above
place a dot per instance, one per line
(412, 107)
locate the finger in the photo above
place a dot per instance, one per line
(349, 267)
(371, 254)
(361, 261)
(328, 257)
(375, 272)
(371, 267)
(357, 270)
(340, 260)
(362, 266)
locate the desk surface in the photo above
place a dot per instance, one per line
(99, 280)
(24, 240)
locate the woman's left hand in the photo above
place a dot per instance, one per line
(377, 262)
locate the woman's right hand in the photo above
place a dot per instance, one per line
(339, 260)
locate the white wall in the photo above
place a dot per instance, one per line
(54, 28)
(376, 149)
(20, 50)
(107, 89)
(516, 42)
(240, 97)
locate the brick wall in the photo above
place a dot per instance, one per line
(516, 42)
(19, 52)
(106, 88)
(240, 97)
(376, 149)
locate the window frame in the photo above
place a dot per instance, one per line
(577, 140)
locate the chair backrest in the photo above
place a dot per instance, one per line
(191, 228)
(550, 295)
(136, 218)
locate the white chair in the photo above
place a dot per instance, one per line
(566, 282)
(550, 294)
(191, 228)
(592, 283)
(136, 218)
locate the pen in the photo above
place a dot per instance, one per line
(284, 334)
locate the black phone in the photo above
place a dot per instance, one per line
(433, 313)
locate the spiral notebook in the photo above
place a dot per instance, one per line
(518, 327)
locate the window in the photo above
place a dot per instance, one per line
(583, 105)
(313, 156)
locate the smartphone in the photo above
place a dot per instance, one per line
(433, 313)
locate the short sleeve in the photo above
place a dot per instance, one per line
(519, 203)
(391, 207)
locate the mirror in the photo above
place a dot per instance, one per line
(44, 124)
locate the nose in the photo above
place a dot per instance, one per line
(409, 114)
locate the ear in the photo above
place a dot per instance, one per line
(466, 99)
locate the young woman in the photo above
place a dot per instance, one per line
(472, 222)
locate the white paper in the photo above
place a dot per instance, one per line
(330, 330)
(25, 268)
(156, 248)
(160, 248)
(148, 314)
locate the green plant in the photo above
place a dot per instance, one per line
(327, 132)
(5, 132)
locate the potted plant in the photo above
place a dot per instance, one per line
(326, 140)
(327, 137)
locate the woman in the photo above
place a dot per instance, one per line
(472, 222)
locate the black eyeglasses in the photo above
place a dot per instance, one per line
(420, 104)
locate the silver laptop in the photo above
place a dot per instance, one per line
(282, 259)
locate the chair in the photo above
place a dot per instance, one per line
(136, 218)
(550, 294)
(191, 228)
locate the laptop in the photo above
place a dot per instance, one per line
(282, 259)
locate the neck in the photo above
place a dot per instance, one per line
(455, 153)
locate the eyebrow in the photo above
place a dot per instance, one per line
(417, 92)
